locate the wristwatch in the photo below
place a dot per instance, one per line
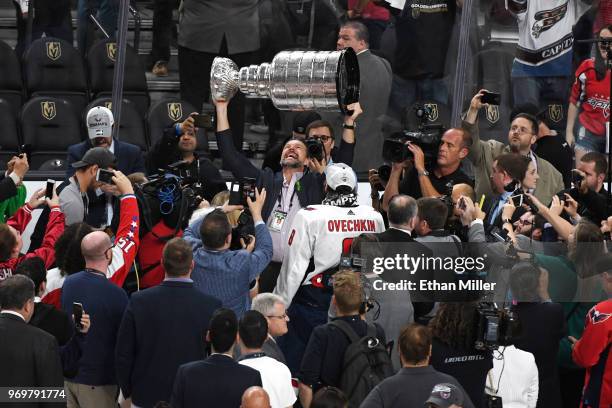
(350, 127)
(424, 173)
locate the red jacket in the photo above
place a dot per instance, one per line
(593, 353)
(124, 251)
(149, 257)
(55, 228)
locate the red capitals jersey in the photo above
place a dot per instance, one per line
(593, 97)
(593, 353)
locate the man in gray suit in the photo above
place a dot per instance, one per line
(211, 28)
(375, 85)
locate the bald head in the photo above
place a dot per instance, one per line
(255, 397)
(94, 246)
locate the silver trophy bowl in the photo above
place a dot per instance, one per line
(294, 80)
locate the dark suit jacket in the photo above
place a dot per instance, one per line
(218, 381)
(8, 188)
(129, 157)
(162, 328)
(53, 321)
(29, 356)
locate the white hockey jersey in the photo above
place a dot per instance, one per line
(545, 32)
(319, 233)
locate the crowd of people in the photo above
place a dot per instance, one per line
(145, 281)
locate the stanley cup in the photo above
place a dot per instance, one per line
(294, 80)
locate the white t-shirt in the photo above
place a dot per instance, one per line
(275, 378)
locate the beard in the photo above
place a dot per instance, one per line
(291, 164)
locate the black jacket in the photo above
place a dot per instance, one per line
(53, 321)
(8, 188)
(310, 192)
(30, 358)
(162, 328)
(218, 381)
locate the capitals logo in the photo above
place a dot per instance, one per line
(545, 20)
(600, 103)
(598, 317)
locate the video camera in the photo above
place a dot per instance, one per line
(315, 148)
(427, 137)
(495, 327)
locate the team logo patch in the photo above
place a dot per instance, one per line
(433, 109)
(493, 114)
(597, 317)
(54, 50)
(175, 111)
(111, 51)
(555, 112)
(47, 109)
(545, 20)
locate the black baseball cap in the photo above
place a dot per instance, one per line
(444, 395)
(303, 119)
(98, 155)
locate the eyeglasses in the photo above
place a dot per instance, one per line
(282, 317)
(109, 248)
(520, 130)
(324, 138)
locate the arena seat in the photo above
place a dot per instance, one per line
(101, 64)
(54, 68)
(49, 126)
(131, 128)
(9, 136)
(10, 77)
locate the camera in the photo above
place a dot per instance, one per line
(240, 191)
(243, 229)
(427, 137)
(495, 327)
(384, 172)
(576, 178)
(315, 149)
(351, 262)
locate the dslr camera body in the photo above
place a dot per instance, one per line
(495, 327)
(315, 149)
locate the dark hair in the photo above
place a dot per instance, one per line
(34, 268)
(588, 247)
(15, 291)
(329, 397)
(318, 124)
(453, 324)
(361, 31)
(222, 330)
(434, 211)
(530, 118)
(214, 229)
(253, 329)
(514, 164)
(601, 163)
(414, 343)
(177, 257)
(524, 282)
(402, 209)
(600, 63)
(68, 256)
(7, 242)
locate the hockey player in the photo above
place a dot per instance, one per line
(315, 244)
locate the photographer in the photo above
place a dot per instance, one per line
(588, 191)
(296, 186)
(179, 143)
(420, 180)
(521, 136)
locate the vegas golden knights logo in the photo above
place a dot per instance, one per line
(111, 51)
(175, 111)
(433, 109)
(47, 109)
(54, 50)
(108, 105)
(492, 113)
(555, 112)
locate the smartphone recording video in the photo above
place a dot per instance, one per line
(49, 188)
(492, 98)
(105, 176)
(77, 311)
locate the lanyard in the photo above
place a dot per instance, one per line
(253, 355)
(280, 199)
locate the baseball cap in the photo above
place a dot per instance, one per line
(338, 175)
(99, 122)
(444, 395)
(303, 119)
(97, 155)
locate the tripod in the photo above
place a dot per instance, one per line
(608, 61)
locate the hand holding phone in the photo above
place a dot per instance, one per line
(49, 188)
(491, 98)
(204, 121)
(77, 312)
(105, 176)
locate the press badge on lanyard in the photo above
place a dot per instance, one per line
(278, 219)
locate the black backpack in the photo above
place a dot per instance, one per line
(365, 364)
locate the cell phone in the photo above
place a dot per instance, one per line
(517, 200)
(105, 176)
(492, 98)
(204, 121)
(49, 189)
(239, 191)
(77, 311)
